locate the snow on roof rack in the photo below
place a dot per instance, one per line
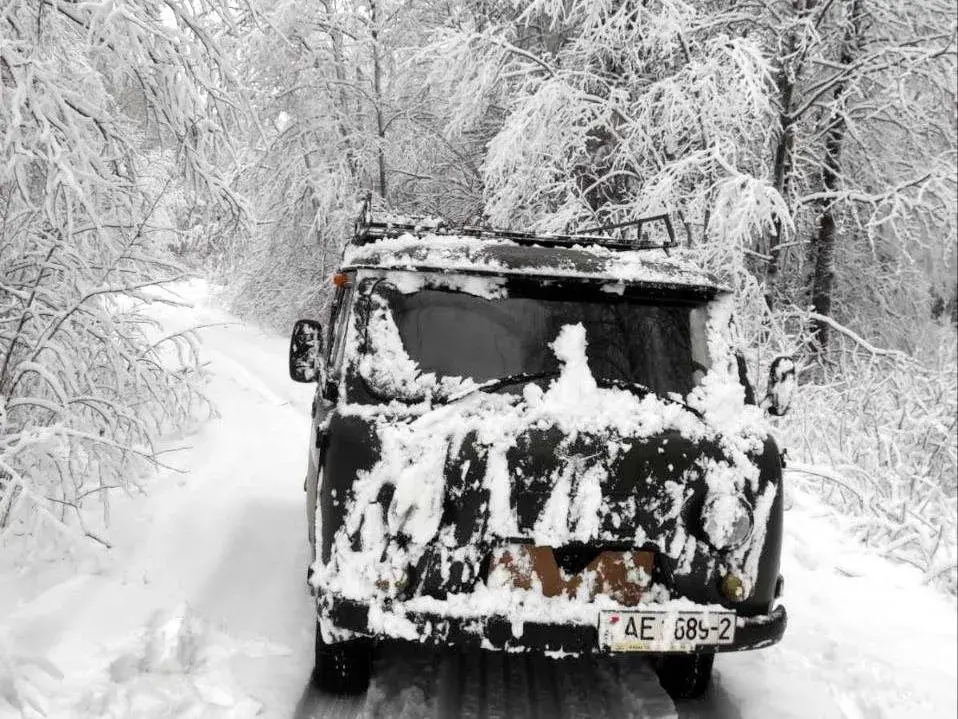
(372, 226)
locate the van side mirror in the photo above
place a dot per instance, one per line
(306, 363)
(782, 384)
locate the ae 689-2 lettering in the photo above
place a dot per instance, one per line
(664, 631)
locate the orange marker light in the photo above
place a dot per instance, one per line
(340, 280)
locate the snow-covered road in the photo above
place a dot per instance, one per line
(201, 608)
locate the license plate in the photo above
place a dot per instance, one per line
(664, 631)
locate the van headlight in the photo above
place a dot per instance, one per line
(727, 521)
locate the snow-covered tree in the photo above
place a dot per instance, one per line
(342, 110)
(613, 110)
(864, 155)
(112, 115)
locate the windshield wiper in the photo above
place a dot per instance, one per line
(493, 385)
(639, 390)
(496, 384)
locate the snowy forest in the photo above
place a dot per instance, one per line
(806, 148)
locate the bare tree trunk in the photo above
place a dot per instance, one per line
(782, 179)
(782, 174)
(378, 95)
(339, 65)
(314, 204)
(822, 247)
(788, 77)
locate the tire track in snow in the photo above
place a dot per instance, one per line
(497, 688)
(403, 685)
(638, 688)
(717, 703)
(249, 379)
(412, 681)
(313, 705)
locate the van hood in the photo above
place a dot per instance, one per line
(591, 487)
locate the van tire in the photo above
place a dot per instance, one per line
(685, 676)
(344, 667)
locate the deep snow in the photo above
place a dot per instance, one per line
(201, 609)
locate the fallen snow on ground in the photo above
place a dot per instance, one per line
(201, 608)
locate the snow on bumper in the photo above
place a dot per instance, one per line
(437, 624)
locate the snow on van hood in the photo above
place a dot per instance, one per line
(415, 450)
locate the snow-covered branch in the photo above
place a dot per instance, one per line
(89, 95)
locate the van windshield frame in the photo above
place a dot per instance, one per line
(658, 342)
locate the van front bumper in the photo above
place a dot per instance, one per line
(500, 633)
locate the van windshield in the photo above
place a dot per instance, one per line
(458, 335)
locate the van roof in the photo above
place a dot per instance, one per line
(654, 269)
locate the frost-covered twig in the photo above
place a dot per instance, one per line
(858, 339)
(826, 473)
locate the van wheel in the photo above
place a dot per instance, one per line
(684, 676)
(344, 667)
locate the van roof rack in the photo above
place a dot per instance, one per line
(372, 225)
